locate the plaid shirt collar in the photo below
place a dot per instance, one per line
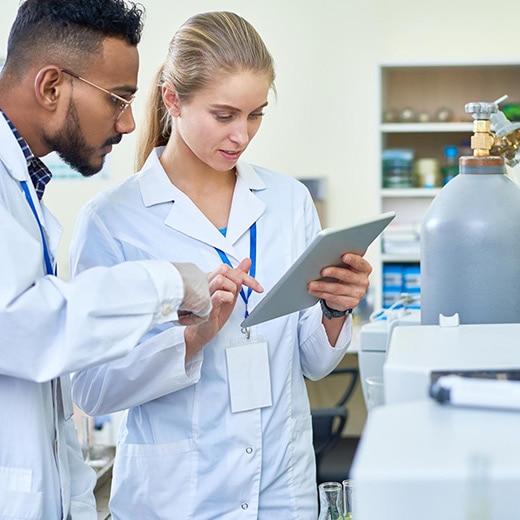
(38, 171)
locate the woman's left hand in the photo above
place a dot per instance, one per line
(343, 287)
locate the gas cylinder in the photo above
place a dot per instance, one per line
(470, 246)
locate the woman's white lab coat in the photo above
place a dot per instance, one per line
(49, 328)
(182, 453)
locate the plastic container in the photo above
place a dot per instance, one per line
(470, 247)
(426, 173)
(397, 168)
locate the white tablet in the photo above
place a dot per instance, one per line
(290, 294)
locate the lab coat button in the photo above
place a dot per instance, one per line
(166, 309)
(249, 450)
(244, 505)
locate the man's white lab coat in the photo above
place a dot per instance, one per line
(49, 328)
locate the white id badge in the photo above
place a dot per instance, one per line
(249, 377)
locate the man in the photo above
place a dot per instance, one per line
(67, 85)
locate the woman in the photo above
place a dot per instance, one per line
(219, 423)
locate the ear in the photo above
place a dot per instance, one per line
(48, 85)
(171, 99)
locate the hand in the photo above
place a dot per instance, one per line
(224, 286)
(343, 286)
(196, 305)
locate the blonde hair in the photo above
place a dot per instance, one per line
(206, 46)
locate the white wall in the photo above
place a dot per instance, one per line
(324, 122)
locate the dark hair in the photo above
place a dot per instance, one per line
(55, 29)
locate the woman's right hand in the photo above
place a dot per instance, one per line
(224, 287)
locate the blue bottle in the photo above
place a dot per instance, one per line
(451, 166)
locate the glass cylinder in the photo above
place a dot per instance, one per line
(375, 392)
(331, 501)
(348, 499)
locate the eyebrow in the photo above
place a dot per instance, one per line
(234, 109)
(127, 89)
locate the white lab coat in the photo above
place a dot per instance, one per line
(49, 328)
(182, 453)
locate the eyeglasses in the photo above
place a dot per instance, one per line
(121, 103)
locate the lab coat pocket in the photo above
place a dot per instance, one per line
(303, 464)
(154, 481)
(301, 439)
(16, 499)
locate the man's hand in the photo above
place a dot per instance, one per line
(196, 306)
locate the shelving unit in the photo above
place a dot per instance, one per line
(427, 88)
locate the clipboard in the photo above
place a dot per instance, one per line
(290, 294)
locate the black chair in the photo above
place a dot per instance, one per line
(333, 452)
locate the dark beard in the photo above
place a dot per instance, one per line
(69, 143)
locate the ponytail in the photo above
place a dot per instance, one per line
(157, 125)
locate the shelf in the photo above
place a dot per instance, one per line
(409, 193)
(398, 259)
(409, 128)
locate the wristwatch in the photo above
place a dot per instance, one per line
(332, 313)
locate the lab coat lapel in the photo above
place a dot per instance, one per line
(186, 218)
(183, 216)
(246, 208)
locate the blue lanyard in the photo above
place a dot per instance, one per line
(252, 255)
(47, 256)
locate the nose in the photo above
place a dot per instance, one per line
(126, 123)
(240, 133)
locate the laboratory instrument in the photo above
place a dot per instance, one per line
(420, 354)
(470, 235)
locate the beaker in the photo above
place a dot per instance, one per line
(331, 501)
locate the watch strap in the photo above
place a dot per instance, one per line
(332, 313)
